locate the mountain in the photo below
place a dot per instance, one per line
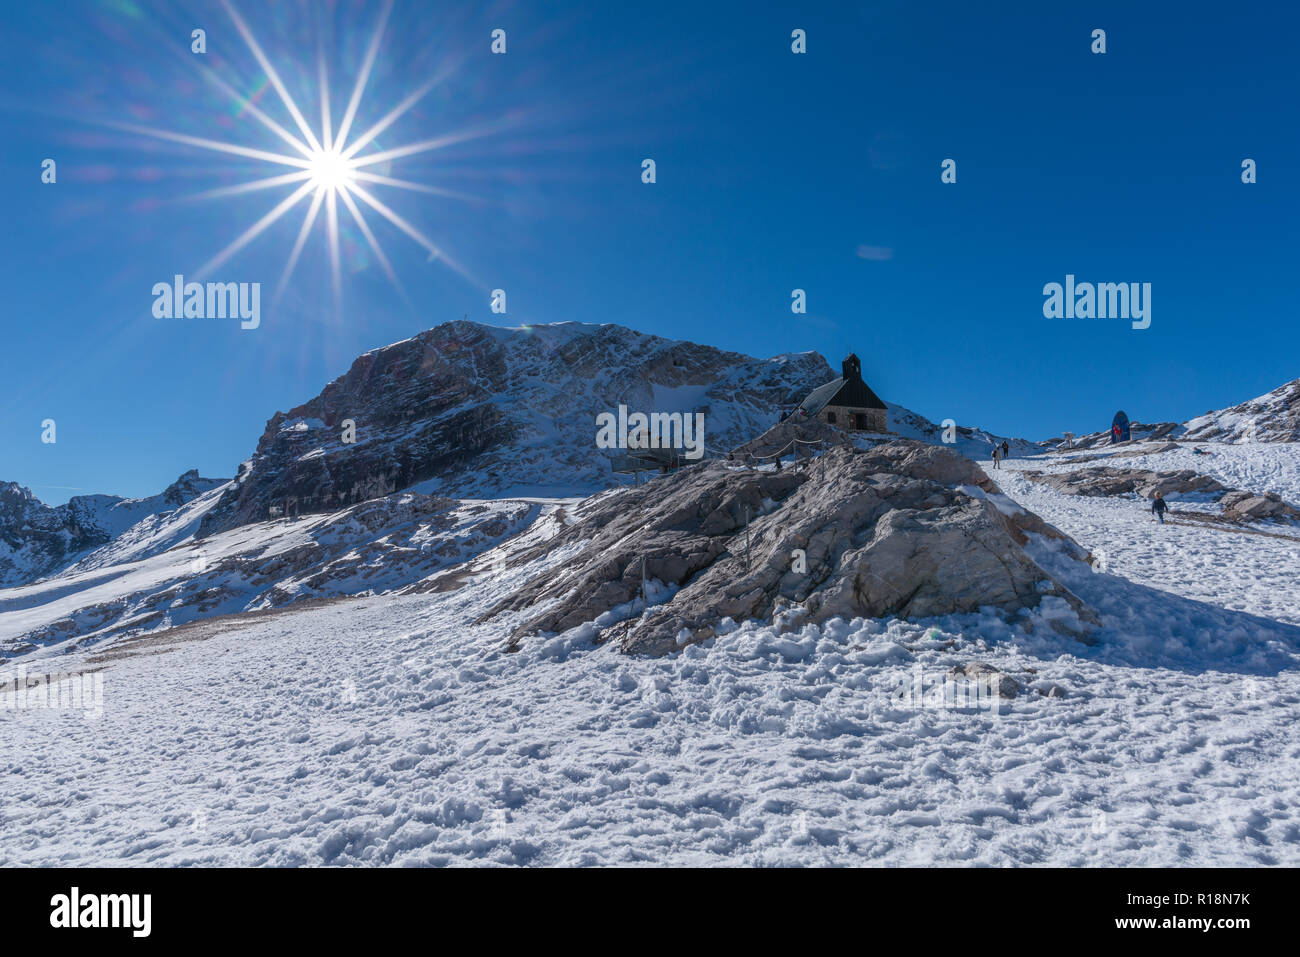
(37, 539)
(1273, 417)
(468, 410)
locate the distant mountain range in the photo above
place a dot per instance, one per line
(37, 540)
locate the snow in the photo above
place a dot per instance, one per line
(1258, 467)
(397, 729)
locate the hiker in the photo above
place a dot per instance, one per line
(1158, 507)
(996, 458)
(1006, 449)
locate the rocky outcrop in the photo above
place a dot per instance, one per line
(1116, 481)
(903, 529)
(1145, 450)
(1241, 506)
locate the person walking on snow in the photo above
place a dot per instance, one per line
(1158, 507)
(996, 458)
(1006, 449)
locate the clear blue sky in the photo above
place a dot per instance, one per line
(773, 170)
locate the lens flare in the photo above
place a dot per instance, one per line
(328, 167)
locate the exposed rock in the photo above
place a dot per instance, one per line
(796, 436)
(1240, 506)
(1272, 417)
(1115, 481)
(903, 529)
(470, 410)
(1006, 686)
(1146, 450)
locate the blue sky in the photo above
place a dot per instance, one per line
(774, 170)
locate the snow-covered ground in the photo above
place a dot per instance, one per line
(396, 730)
(1258, 467)
(1252, 573)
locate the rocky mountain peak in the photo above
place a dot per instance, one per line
(467, 409)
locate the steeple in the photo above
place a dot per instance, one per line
(851, 368)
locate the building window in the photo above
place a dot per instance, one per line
(830, 418)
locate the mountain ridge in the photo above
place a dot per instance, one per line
(38, 539)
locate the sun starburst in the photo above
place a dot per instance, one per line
(327, 168)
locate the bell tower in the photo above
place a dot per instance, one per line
(851, 368)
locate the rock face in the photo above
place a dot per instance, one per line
(37, 539)
(903, 529)
(1113, 481)
(1273, 417)
(470, 410)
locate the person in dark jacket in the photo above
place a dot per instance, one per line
(1006, 450)
(1158, 507)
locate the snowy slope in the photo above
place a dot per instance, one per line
(379, 546)
(1272, 417)
(395, 730)
(37, 540)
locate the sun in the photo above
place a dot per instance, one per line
(330, 171)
